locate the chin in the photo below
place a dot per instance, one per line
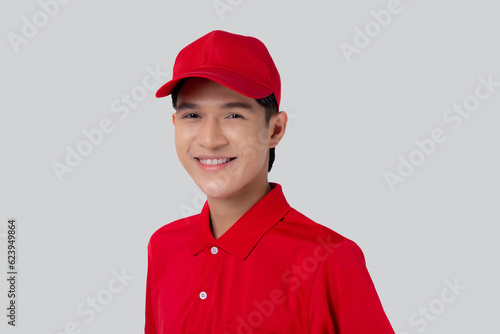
(215, 188)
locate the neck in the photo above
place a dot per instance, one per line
(224, 212)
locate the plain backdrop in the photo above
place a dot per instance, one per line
(352, 120)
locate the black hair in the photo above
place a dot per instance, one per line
(269, 103)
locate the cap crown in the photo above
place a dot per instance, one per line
(243, 55)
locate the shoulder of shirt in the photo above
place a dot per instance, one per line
(320, 234)
(176, 227)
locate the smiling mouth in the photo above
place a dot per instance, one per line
(214, 162)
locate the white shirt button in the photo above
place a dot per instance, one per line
(203, 295)
(214, 250)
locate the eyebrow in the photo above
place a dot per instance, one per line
(227, 105)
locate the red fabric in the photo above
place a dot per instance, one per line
(241, 63)
(273, 271)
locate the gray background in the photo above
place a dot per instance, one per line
(348, 123)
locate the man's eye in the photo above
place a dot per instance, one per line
(235, 116)
(190, 115)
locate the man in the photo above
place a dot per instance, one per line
(248, 263)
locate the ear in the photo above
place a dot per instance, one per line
(277, 126)
(173, 119)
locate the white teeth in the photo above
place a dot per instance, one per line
(213, 162)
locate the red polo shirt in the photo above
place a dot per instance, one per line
(273, 271)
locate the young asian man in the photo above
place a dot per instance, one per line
(248, 262)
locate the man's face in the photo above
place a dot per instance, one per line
(214, 122)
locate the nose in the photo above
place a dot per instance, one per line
(210, 134)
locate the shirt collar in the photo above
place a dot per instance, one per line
(246, 232)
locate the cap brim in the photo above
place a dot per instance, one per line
(232, 80)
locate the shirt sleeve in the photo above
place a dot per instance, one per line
(150, 327)
(343, 296)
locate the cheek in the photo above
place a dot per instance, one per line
(248, 137)
(253, 150)
(182, 148)
(183, 137)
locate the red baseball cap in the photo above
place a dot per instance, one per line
(241, 63)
